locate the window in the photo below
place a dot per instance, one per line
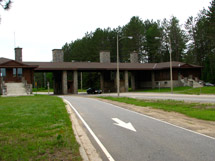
(14, 72)
(3, 72)
(19, 72)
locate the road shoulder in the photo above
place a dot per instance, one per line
(87, 150)
(200, 126)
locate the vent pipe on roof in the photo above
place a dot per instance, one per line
(18, 54)
(58, 55)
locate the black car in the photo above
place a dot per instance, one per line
(209, 84)
(93, 91)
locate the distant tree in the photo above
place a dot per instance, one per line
(197, 36)
(134, 28)
(5, 4)
(178, 40)
(201, 44)
(152, 43)
(177, 36)
(211, 40)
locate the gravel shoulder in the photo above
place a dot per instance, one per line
(200, 126)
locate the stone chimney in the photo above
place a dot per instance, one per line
(58, 55)
(18, 54)
(104, 57)
(134, 57)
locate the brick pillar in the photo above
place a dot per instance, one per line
(75, 82)
(133, 85)
(153, 79)
(64, 82)
(126, 80)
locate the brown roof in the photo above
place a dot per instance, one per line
(96, 66)
(4, 62)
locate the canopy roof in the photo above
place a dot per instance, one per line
(96, 66)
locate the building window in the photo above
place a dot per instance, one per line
(3, 72)
(19, 72)
(14, 72)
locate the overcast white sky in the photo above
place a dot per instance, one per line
(43, 25)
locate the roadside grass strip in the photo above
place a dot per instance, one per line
(42, 90)
(195, 110)
(36, 128)
(181, 90)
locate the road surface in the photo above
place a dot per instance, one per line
(167, 96)
(129, 136)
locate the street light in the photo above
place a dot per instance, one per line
(117, 44)
(170, 62)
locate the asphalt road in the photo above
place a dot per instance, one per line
(167, 96)
(151, 139)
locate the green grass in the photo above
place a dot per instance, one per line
(82, 90)
(42, 90)
(203, 90)
(36, 128)
(196, 110)
(181, 90)
(51, 90)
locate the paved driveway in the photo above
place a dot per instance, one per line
(130, 136)
(165, 96)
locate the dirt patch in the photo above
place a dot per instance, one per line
(200, 126)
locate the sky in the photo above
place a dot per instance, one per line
(38, 26)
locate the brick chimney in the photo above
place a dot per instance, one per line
(58, 55)
(18, 54)
(104, 56)
(134, 57)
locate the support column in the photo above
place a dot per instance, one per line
(153, 79)
(75, 82)
(64, 82)
(126, 80)
(102, 81)
(57, 82)
(133, 85)
(115, 83)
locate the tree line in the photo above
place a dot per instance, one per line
(193, 42)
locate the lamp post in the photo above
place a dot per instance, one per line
(117, 64)
(170, 64)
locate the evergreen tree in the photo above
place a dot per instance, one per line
(178, 39)
(5, 4)
(211, 40)
(134, 28)
(152, 43)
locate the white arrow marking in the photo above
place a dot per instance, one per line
(128, 125)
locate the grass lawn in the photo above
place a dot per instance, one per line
(181, 90)
(52, 90)
(42, 90)
(36, 128)
(196, 110)
(203, 90)
(82, 90)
